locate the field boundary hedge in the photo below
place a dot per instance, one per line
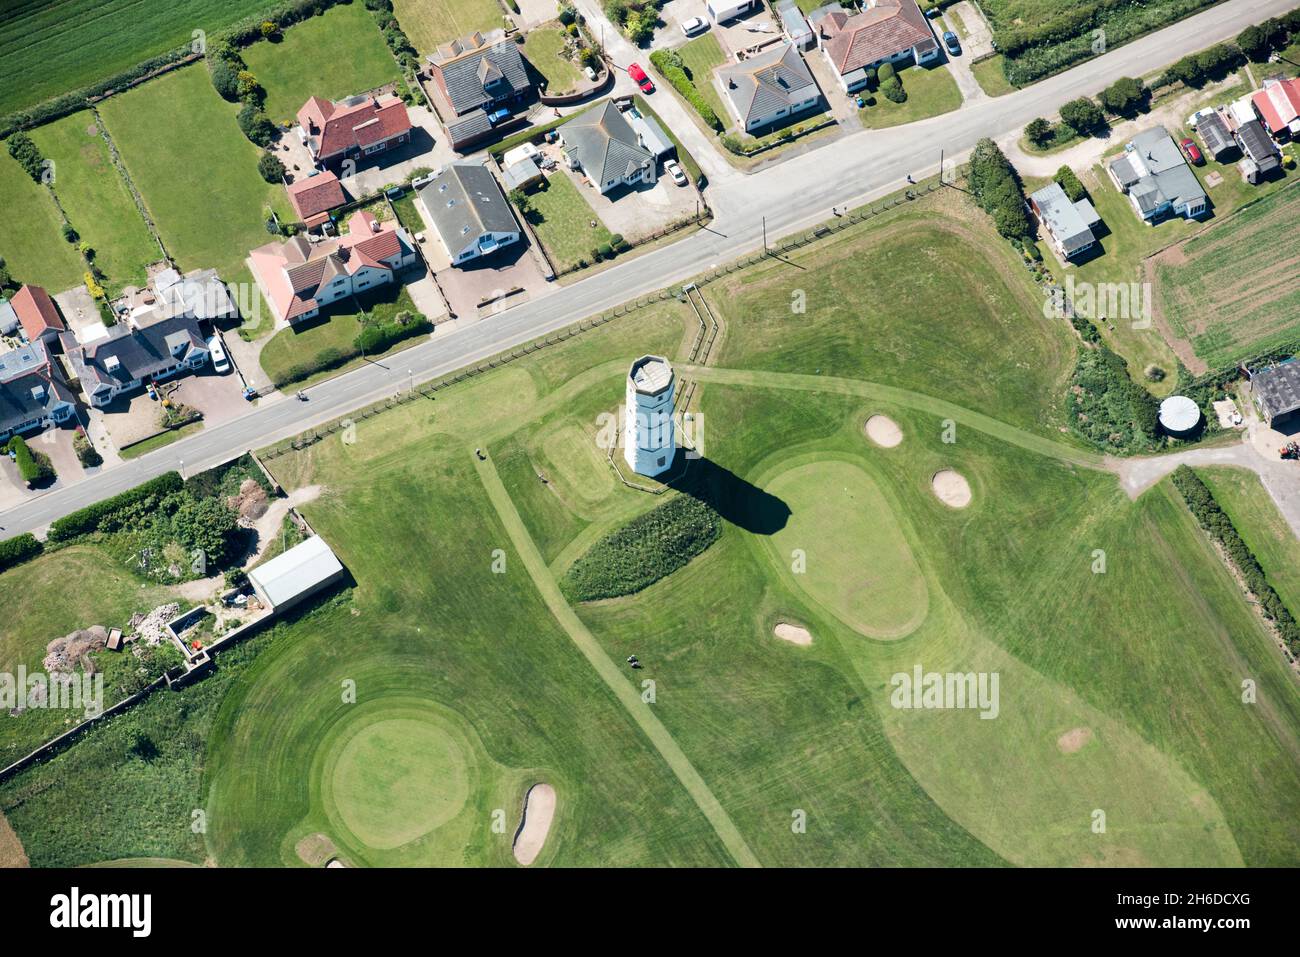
(1219, 526)
(87, 520)
(19, 549)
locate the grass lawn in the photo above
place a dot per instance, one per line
(96, 199)
(334, 329)
(562, 218)
(334, 55)
(160, 440)
(429, 24)
(1241, 494)
(989, 75)
(31, 243)
(931, 91)
(545, 48)
(198, 176)
(701, 57)
(1238, 266)
(1118, 691)
(52, 48)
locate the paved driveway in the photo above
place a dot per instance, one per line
(641, 211)
(978, 38)
(509, 268)
(428, 149)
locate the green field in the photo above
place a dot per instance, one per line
(428, 23)
(334, 55)
(1227, 290)
(474, 678)
(1241, 495)
(562, 218)
(96, 199)
(52, 48)
(197, 172)
(931, 91)
(544, 48)
(31, 243)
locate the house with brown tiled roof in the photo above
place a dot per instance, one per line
(37, 314)
(299, 277)
(359, 126)
(885, 31)
(312, 198)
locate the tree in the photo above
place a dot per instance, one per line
(522, 202)
(225, 79)
(1253, 42)
(1082, 115)
(270, 168)
(248, 87)
(206, 524)
(256, 125)
(1039, 131)
(1124, 96)
(27, 154)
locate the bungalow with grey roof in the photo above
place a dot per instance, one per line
(1068, 225)
(128, 358)
(466, 208)
(1156, 178)
(771, 87)
(33, 394)
(602, 144)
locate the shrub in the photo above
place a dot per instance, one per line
(92, 517)
(33, 467)
(892, 90)
(1123, 97)
(382, 336)
(270, 168)
(27, 154)
(618, 243)
(256, 125)
(69, 233)
(20, 548)
(886, 72)
(670, 65)
(1107, 407)
(87, 454)
(640, 27)
(1069, 182)
(269, 30)
(646, 549)
(225, 79)
(1082, 115)
(248, 88)
(567, 15)
(1254, 43)
(1039, 131)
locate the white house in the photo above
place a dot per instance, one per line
(886, 31)
(766, 89)
(602, 144)
(464, 205)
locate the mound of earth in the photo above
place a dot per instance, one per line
(152, 628)
(884, 431)
(251, 502)
(63, 654)
(317, 850)
(539, 811)
(951, 488)
(1074, 740)
(793, 633)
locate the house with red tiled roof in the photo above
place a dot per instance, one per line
(1277, 103)
(299, 277)
(314, 196)
(885, 31)
(359, 126)
(37, 314)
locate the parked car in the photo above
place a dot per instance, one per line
(694, 25)
(499, 116)
(674, 169)
(1192, 152)
(591, 74)
(952, 43)
(220, 361)
(635, 72)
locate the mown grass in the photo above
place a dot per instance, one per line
(429, 24)
(197, 172)
(334, 55)
(931, 91)
(562, 219)
(31, 243)
(701, 56)
(991, 77)
(1245, 500)
(96, 199)
(47, 49)
(544, 48)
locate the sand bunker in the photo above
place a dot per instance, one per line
(951, 488)
(317, 850)
(539, 810)
(884, 431)
(793, 634)
(1074, 739)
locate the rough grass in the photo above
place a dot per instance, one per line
(31, 243)
(52, 48)
(1243, 497)
(334, 55)
(196, 171)
(96, 198)
(429, 24)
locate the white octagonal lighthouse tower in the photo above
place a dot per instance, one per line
(648, 440)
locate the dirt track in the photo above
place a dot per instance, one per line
(12, 853)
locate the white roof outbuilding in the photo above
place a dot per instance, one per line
(1179, 414)
(301, 571)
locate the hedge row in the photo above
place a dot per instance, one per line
(32, 466)
(20, 548)
(87, 520)
(382, 336)
(669, 63)
(646, 549)
(996, 188)
(1218, 525)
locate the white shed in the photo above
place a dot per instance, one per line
(723, 10)
(300, 572)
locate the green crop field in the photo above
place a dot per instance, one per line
(52, 48)
(96, 199)
(197, 172)
(428, 23)
(403, 721)
(31, 244)
(1227, 290)
(332, 56)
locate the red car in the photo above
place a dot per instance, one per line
(1193, 152)
(635, 72)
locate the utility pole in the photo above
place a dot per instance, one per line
(764, 235)
(941, 182)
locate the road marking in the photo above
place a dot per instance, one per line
(609, 672)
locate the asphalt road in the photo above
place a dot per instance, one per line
(793, 195)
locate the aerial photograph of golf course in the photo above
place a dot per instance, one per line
(537, 657)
